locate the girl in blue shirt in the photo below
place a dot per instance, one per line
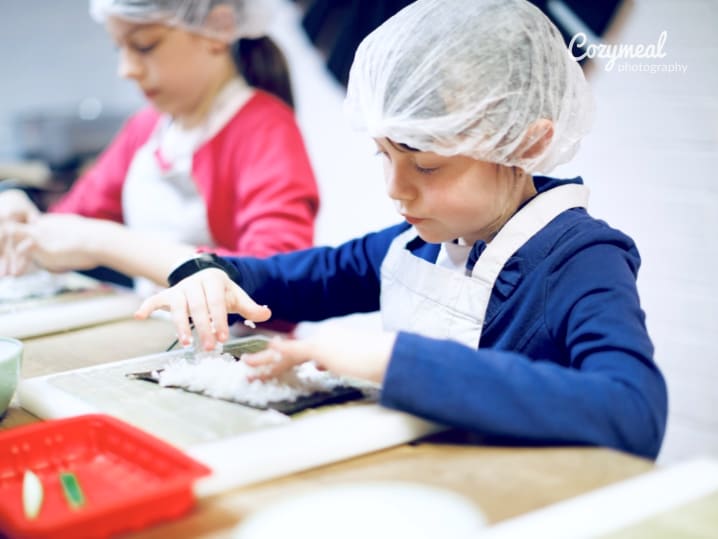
(507, 309)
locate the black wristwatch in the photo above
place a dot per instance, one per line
(198, 263)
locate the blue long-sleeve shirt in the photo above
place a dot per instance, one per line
(564, 356)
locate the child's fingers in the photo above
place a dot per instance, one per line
(7, 250)
(199, 311)
(21, 257)
(279, 356)
(25, 246)
(269, 364)
(23, 265)
(32, 214)
(214, 290)
(238, 301)
(13, 264)
(153, 303)
(180, 318)
(207, 297)
(169, 300)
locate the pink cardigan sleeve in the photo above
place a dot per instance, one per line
(265, 199)
(98, 192)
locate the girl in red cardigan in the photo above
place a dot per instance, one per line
(215, 162)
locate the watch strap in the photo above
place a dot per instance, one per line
(199, 263)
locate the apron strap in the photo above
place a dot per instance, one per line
(527, 222)
(397, 246)
(420, 297)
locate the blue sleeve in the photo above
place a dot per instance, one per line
(321, 282)
(611, 393)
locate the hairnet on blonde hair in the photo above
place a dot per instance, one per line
(233, 20)
(470, 77)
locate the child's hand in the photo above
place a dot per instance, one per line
(56, 242)
(16, 206)
(14, 259)
(207, 296)
(363, 355)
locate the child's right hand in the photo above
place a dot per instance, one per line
(16, 206)
(207, 297)
(14, 260)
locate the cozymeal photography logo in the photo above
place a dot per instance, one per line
(628, 57)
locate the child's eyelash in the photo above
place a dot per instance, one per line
(420, 169)
(423, 170)
(145, 49)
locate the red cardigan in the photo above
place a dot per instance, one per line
(254, 176)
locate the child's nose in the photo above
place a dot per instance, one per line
(398, 186)
(128, 67)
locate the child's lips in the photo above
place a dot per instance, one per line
(413, 220)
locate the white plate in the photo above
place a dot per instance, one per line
(376, 510)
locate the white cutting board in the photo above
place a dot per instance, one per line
(240, 444)
(96, 303)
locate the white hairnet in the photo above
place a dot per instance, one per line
(227, 20)
(469, 77)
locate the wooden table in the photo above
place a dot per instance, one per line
(502, 481)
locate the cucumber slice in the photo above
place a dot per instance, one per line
(71, 488)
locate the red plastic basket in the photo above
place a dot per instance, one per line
(129, 478)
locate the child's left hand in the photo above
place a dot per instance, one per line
(355, 354)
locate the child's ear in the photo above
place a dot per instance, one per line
(537, 138)
(220, 21)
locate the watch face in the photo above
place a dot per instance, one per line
(210, 258)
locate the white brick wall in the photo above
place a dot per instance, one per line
(652, 164)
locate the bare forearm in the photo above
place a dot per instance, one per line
(138, 254)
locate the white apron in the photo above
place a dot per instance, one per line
(159, 194)
(164, 200)
(421, 297)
